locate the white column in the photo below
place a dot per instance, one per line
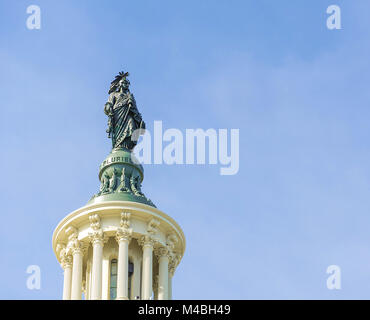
(169, 286)
(88, 280)
(123, 239)
(171, 272)
(96, 285)
(76, 292)
(97, 240)
(136, 281)
(67, 266)
(147, 277)
(106, 278)
(163, 274)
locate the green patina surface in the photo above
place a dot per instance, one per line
(120, 174)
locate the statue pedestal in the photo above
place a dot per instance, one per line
(121, 176)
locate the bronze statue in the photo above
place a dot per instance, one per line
(123, 115)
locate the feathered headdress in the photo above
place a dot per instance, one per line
(114, 83)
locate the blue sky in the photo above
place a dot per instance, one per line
(297, 91)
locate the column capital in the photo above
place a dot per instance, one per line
(66, 261)
(162, 252)
(64, 258)
(60, 249)
(76, 247)
(147, 241)
(97, 235)
(123, 234)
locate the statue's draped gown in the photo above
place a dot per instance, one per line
(126, 119)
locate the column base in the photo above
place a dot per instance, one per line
(122, 298)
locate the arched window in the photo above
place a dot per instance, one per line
(113, 279)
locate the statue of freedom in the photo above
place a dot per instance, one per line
(123, 115)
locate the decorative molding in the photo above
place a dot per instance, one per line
(95, 222)
(171, 241)
(72, 233)
(124, 182)
(173, 263)
(135, 183)
(59, 248)
(104, 187)
(97, 235)
(125, 220)
(152, 227)
(74, 245)
(124, 233)
(113, 181)
(85, 246)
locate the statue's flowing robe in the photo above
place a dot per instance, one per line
(125, 119)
